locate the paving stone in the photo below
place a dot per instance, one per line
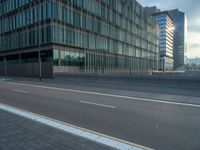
(18, 133)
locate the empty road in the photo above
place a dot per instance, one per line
(159, 120)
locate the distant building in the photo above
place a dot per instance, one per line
(193, 61)
(166, 37)
(180, 34)
(76, 36)
(180, 37)
(166, 40)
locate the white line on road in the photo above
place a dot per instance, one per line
(107, 95)
(21, 91)
(75, 130)
(96, 104)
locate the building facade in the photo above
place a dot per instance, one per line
(166, 40)
(79, 36)
(180, 37)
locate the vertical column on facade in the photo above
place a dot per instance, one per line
(40, 64)
(110, 62)
(86, 61)
(85, 71)
(99, 62)
(87, 58)
(93, 64)
(59, 61)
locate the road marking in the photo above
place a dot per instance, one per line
(21, 91)
(108, 95)
(75, 130)
(96, 104)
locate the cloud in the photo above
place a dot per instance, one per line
(193, 44)
(196, 45)
(194, 28)
(193, 53)
(192, 10)
(193, 37)
(190, 7)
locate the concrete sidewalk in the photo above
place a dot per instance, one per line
(18, 133)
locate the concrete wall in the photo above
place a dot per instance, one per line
(144, 80)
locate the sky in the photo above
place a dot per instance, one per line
(192, 10)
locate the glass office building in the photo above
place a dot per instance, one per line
(166, 40)
(180, 37)
(78, 36)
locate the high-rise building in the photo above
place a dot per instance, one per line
(166, 40)
(180, 37)
(45, 37)
(166, 26)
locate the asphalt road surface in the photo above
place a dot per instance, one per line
(159, 120)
